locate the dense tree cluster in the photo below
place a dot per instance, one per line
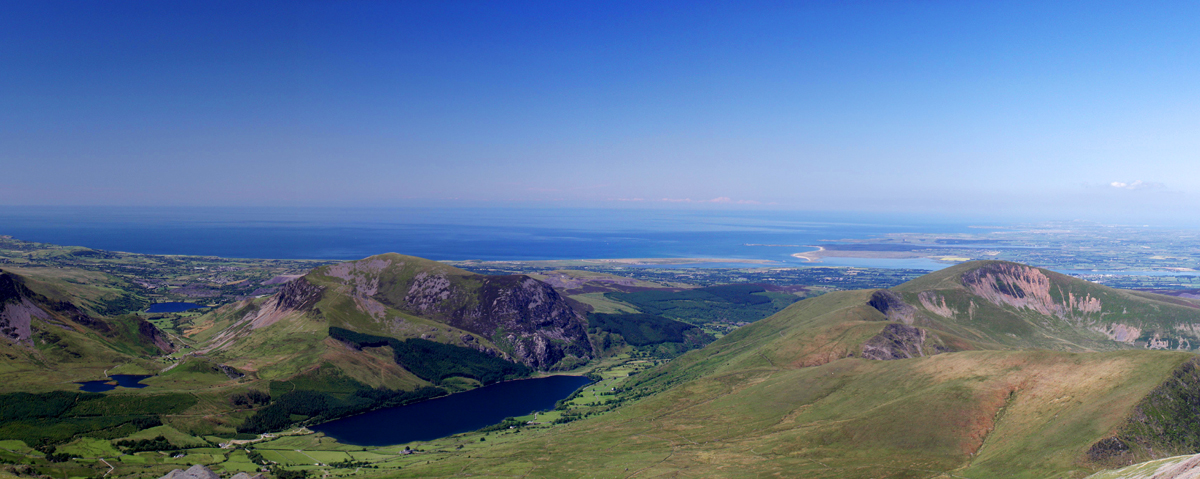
(640, 329)
(250, 398)
(434, 362)
(159, 443)
(56, 417)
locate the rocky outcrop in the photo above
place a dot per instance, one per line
(524, 316)
(936, 304)
(893, 306)
(296, 295)
(195, 472)
(428, 292)
(1123, 333)
(539, 324)
(1024, 287)
(18, 309)
(16, 319)
(199, 471)
(896, 341)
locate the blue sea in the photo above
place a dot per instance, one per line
(462, 233)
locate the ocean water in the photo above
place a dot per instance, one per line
(454, 234)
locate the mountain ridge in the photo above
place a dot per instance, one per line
(514, 317)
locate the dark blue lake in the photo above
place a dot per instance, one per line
(453, 414)
(123, 380)
(173, 307)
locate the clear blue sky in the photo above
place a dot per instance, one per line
(1072, 108)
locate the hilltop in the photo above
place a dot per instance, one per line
(511, 317)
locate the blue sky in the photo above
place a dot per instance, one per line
(1076, 109)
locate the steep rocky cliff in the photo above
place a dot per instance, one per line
(524, 317)
(1024, 287)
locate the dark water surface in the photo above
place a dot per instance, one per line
(123, 380)
(173, 307)
(453, 414)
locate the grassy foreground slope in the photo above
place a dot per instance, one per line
(974, 414)
(798, 394)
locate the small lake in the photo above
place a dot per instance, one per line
(122, 380)
(173, 307)
(453, 414)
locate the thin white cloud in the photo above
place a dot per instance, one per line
(1135, 185)
(719, 199)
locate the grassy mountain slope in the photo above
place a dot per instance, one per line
(975, 414)
(1003, 393)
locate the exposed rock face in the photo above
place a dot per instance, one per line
(524, 317)
(427, 292)
(1023, 287)
(201, 472)
(527, 315)
(896, 341)
(531, 316)
(893, 306)
(195, 472)
(936, 304)
(296, 295)
(16, 312)
(1119, 332)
